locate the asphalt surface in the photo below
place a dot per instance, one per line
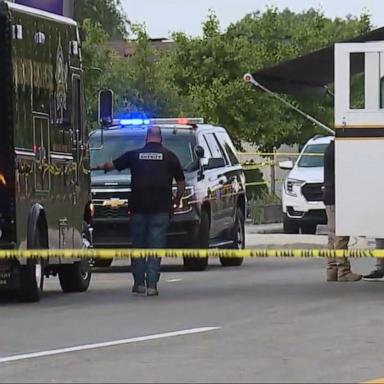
(277, 320)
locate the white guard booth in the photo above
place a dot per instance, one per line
(359, 156)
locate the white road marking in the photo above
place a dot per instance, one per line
(174, 280)
(86, 347)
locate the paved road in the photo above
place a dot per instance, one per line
(277, 320)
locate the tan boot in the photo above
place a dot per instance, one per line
(344, 273)
(332, 274)
(331, 271)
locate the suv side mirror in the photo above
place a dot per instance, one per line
(199, 150)
(287, 165)
(215, 162)
(105, 107)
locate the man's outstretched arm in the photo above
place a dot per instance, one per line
(107, 167)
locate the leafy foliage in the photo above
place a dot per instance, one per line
(202, 76)
(147, 88)
(108, 13)
(104, 68)
(209, 70)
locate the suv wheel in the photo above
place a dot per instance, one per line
(75, 277)
(308, 229)
(290, 226)
(238, 236)
(202, 241)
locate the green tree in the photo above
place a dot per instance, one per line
(139, 83)
(104, 68)
(108, 13)
(148, 89)
(208, 71)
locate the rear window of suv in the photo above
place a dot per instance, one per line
(312, 156)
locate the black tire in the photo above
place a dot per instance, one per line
(75, 277)
(102, 263)
(238, 236)
(32, 275)
(202, 242)
(308, 229)
(290, 226)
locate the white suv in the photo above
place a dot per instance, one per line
(303, 205)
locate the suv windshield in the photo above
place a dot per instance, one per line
(181, 145)
(313, 156)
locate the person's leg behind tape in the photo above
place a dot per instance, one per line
(157, 239)
(139, 234)
(378, 273)
(338, 269)
(331, 262)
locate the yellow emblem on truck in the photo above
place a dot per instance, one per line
(115, 203)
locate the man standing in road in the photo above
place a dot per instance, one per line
(153, 170)
(338, 269)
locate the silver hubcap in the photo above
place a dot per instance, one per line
(240, 238)
(38, 274)
(84, 275)
(84, 271)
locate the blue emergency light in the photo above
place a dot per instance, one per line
(134, 122)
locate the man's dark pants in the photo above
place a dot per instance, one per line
(149, 231)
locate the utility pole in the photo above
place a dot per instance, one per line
(273, 172)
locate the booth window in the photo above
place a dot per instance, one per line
(357, 80)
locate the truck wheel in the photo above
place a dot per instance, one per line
(290, 226)
(75, 277)
(202, 242)
(238, 235)
(308, 229)
(32, 276)
(31, 281)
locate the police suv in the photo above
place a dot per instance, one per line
(212, 211)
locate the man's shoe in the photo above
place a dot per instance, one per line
(152, 292)
(139, 289)
(377, 275)
(331, 273)
(347, 276)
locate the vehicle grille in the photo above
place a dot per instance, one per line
(312, 192)
(110, 213)
(110, 195)
(102, 211)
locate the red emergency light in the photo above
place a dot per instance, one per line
(183, 121)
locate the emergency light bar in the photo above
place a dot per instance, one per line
(170, 121)
(178, 121)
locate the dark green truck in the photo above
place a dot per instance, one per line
(44, 162)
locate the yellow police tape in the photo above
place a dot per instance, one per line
(189, 253)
